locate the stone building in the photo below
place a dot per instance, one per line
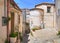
(15, 15)
(57, 6)
(10, 18)
(36, 18)
(49, 14)
(3, 16)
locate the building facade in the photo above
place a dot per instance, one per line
(15, 15)
(57, 5)
(10, 19)
(3, 26)
(49, 14)
(36, 18)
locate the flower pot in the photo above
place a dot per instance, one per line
(13, 39)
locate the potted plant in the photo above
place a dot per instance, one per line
(13, 37)
(33, 29)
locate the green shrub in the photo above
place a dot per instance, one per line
(31, 33)
(21, 38)
(14, 34)
(6, 41)
(58, 33)
(34, 29)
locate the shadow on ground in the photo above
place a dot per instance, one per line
(26, 36)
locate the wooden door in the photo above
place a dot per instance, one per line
(12, 21)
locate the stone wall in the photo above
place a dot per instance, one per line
(3, 29)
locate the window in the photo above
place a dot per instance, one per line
(48, 9)
(4, 21)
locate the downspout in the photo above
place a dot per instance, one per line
(8, 1)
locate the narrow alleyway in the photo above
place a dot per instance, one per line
(29, 21)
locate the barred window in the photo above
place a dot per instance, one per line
(48, 9)
(4, 21)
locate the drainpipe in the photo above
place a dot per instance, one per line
(8, 1)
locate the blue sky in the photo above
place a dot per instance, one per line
(30, 3)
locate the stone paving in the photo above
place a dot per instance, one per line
(40, 36)
(25, 38)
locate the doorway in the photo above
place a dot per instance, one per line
(12, 22)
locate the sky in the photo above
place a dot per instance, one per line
(30, 3)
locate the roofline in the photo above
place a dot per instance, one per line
(13, 2)
(45, 4)
(36, 9)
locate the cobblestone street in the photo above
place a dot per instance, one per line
(40, 36)
(25, 38)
